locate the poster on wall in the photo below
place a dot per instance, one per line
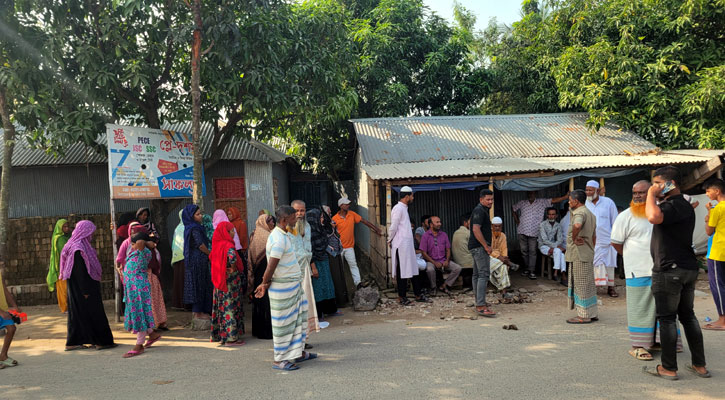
(150, 163)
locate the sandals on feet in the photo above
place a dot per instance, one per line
(77, 347)
(611, 292)
(285, 366)
(150, 342)
(132, 353)
(579, 320)
(711, 327)
(306, 355)
(655, 371)
(404, 301)
(486, 313)
(641, 354)
(238, 343)
(696, 372)
(9, 362)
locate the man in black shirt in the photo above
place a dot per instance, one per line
(479, 244)
(674, 273)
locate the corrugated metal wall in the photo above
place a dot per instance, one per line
(279, 171)
(259, 188)
(510, 197)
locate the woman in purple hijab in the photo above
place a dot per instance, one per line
(79, 265)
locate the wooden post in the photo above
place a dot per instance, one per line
(602, 189)
(491, 211)
(388, 210)
(571, 184)
(719, 173)
(116, 278)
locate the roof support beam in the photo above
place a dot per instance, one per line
(701, 173)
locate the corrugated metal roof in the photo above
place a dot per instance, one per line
(450, 168)
(78, 153)
(417, 139)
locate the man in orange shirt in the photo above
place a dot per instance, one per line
(345, 221)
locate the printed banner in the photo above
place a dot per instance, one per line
(150, 163)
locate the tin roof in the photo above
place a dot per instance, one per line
(416, 147)
(78, 153)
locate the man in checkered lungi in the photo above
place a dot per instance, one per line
(581, 237)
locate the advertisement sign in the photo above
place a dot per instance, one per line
(150, 163)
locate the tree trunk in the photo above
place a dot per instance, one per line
(8, 146)
(196, 104)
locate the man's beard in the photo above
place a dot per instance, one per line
(300, 227)
(637, 209)
(496, 234)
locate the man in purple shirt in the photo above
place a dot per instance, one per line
(436, 250)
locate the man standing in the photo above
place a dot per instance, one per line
(551, 241)
(345, 220)
(500, 262)
(631, 236)
(674, 272)
(605, 257)
(479, 244)
(580, 253)
(459, 250)
(288, 304)
(436, 250)
(302, 243)
(715, 220)
(532, 212)
(400, 240)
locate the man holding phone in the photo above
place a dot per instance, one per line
(674, 272)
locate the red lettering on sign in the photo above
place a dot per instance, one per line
(119, 137)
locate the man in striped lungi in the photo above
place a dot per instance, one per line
(288, 303)
(580, 240)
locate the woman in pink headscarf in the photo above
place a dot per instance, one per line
(79, 265)
(221, 216)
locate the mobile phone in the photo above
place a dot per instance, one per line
(669, 185)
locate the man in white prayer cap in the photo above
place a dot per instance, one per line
(605, 257)
(500, 262)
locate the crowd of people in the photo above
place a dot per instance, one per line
(284, 267)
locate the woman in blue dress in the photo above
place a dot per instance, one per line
(198, 288)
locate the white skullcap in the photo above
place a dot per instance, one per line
(343, 200)
(593, 184)
(406, 189)
(496, 221)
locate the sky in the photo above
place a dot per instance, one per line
(505, 11)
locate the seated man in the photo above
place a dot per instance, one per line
(551, 239)
(436, 250)
(423, 228)
(418, 254)
(459, 250)
(500, 262)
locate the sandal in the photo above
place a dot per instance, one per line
(579, 320)
(656, 372)
(9, 362)
(285, 366)
(611, 292)
(423, 299)
(711, 327)
(132, 353)
(404, 301)
(308, 346)
(445, 290)
(696, 372)
(486, 313)
(77, 347)
(238, 343)
(641, 354)
(151, 342)
(306, 356)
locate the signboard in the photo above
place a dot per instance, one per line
(150, 163)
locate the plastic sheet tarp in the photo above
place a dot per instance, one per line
(699, 236)
(434, 187)
(543, 182)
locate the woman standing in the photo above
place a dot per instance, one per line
(157, 295)
(197, 277)
(261, 314)
(322, 285)
(177, 261)
(227, 274)
(221, 216)
(79, 265)
(143, 216)
(60, 237)
(235, 217)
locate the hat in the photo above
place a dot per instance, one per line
(343, 200)
(406, 189)
(496, 221)
(593, 184)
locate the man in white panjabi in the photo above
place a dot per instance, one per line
(400, 240)
(605, 257)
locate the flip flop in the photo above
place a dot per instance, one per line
(132, 353)
(150, 342)
(238, 343)
(694, 371)
(655, 371)
(285, 366)
(77, 347)
(306, 356)
(711, 327)
(9, 362)
(577, 320)
(641, 354)
(486, 313)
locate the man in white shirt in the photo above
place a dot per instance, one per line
(605, 257)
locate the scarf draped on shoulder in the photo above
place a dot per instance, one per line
(80, 240)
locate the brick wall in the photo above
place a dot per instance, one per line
(29, 254)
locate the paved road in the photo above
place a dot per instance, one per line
(404, 359)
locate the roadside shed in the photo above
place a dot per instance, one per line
(447, 160)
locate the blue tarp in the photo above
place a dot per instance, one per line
(443, 186)
(544, 182)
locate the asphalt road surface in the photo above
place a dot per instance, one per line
(396, 356)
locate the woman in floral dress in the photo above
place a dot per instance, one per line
(139, 317)
(229, 279)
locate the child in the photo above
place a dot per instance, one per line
(715, 220)
(229, 279)
(6, 321)
(139, 317)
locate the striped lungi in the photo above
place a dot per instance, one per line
(499, 274)
(641, 313)
(582, 291)
(288, 306)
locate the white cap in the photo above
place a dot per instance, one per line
(406, 189)
(593, 184)
(496, 221)
(343, 200)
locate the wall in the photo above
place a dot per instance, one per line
(29, 253)
(259, 189)
(279, 172)
(360, 198)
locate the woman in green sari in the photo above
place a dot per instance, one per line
(61, 234)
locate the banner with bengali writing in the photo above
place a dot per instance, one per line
(150, 163)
